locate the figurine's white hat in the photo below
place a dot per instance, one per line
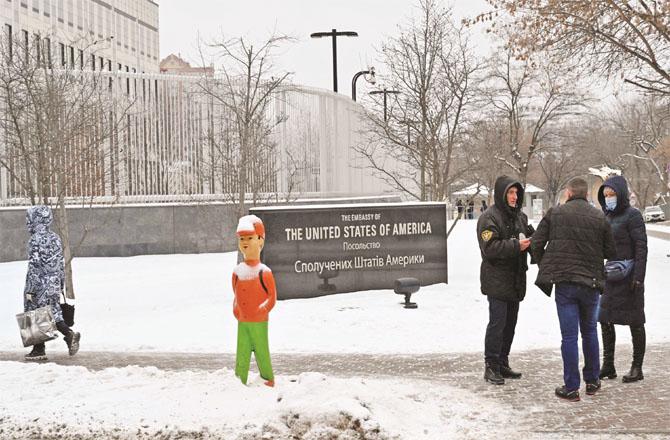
(249, 225)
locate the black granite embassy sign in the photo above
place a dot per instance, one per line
(316, 250)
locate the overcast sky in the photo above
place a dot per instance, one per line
(309, 59)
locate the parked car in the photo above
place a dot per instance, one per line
(653, 214)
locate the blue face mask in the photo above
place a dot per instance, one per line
(610, 203)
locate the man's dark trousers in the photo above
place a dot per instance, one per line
(500, 331)
(577, 307)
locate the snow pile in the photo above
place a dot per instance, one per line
(134, 402)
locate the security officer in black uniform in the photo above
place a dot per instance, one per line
(504, 239)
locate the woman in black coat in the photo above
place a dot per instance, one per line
(623, 301)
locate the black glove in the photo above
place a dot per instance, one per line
(531, 231)
(637, 287)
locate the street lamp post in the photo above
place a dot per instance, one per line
(369, 77)
(408, 123)
(334, 34)
(385, 92)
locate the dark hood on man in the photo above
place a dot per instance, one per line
(502, 185)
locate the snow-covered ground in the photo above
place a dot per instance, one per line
(133, 402)
(183, 303)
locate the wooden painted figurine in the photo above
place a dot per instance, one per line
(255, 296)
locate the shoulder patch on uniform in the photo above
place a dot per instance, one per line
(486, 235)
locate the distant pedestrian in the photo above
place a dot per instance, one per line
(459, 207)
(578, 239)
(503, 234)
(46, 277)
(471, 209)
(484, 207)
(623, 299)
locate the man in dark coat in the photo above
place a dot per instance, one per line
(579, 239)
(471, 209)
(623, 300)
(502, 233)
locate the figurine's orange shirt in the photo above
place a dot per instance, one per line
(252, 302)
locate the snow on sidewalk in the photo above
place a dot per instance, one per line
(133, 402)
(182, 303)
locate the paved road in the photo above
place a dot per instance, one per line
(639, 410)
(659, 234)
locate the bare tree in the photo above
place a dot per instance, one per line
(532, 99)
(243, 155)
(485, 148)
(631, 137)
(643, 126)
(559, 163)
(59, 128)
(412, 145)
(606, 37)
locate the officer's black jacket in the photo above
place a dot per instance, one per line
(503, 269)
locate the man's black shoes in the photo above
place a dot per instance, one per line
(507, 373)
(492, 375)
(563, 393)
(592, 387)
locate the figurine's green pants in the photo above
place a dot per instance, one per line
(253, 336)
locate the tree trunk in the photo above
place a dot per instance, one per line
(523, 175)
(67, 250)
(243, 173)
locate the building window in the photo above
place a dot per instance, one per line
(71, 57)
(91, 17)
(10, 40)
(37, 47)
(70, 12)
(81, 59)
(26, 44)
(80, 15)
(92, 62)
(61, 49)
(148, 49)
(108, 18)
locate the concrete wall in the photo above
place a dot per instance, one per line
(123, 231)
